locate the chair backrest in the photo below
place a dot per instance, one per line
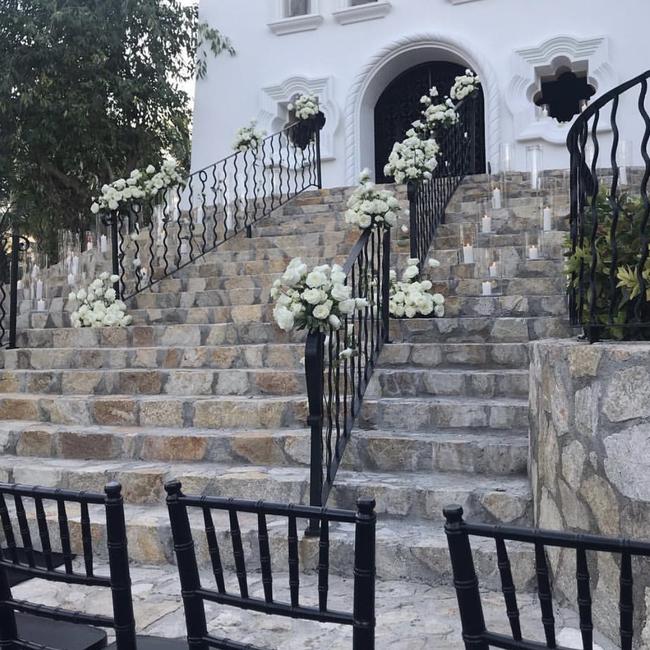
(475, 634)
(362, 616)
(29, 513)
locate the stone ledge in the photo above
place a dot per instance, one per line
(361, 13)
(296, 24)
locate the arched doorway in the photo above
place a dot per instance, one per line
(399, 106)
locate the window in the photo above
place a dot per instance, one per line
(297, 8)
(563, 95)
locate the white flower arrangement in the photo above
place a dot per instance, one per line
(141, 184)
(99, 306)
(316, 300)
(371, 207)
(464, 86)
(305, 107)
(439, 115)
(412, 159)
(410, 297)
(247, 137)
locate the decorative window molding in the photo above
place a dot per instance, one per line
(460, 2)
(274, 115)
(284, 24)
(371, 10)
(529, 65)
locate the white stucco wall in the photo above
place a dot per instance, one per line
(505, 41)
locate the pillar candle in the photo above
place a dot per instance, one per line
(486, 224)
(468, 254)
(103, 244)
(548, 219)
(40, 305)
(39, 289)
(533, 253)
(496, 198)
(493, 270)
(487, 288)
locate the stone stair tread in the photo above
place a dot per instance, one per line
(450, 370)
(451, 400)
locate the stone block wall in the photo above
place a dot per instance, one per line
(590, 462)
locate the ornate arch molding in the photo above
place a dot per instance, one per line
(453, 46)
(585, 55)
(274, 99)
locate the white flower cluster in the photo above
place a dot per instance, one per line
(317, 300)
(304, 107)
(247, 137)
(141, 184)
(369, 206)
(410, 297)
(412, 159)
(464, 86)
(437, 115)
(99, 306)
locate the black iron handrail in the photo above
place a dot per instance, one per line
(155, 238)
(12, 246)
(610, 212)
(336, 384)
(428, 199)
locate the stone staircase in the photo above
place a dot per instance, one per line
(204, 388)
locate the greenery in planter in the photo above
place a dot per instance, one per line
(89, 90)
(630, 311)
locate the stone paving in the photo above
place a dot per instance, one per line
(409, 616)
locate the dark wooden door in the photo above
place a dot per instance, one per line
(399, 106)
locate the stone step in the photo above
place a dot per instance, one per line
(216, 282)
(177, 382)
(431, 413)
(222, 357)
(205, 298)
(536, 286)
(487, 452)
(313, 239)
(508, 306)
(554, 239)
(455, 355)
(429, 382)
(420, 495)
(515, 268)
(480, 329)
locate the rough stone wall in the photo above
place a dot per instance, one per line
(590, 462)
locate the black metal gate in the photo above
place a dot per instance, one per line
(399, 106)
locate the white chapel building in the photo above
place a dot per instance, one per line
(540, 62)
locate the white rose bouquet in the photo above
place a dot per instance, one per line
(316, 300)
(305, 107)
(410, 297)
(371, 207)
(99, 306)
(438, 115)
(412, 159)
(464, 86)
(247, 137)
(141, 184)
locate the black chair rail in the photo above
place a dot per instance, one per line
(610, 210)
(362, 616)
(475, 633)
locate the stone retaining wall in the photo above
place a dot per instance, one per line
(590, 462)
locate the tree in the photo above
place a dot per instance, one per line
(89, 90)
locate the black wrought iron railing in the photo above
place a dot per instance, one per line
(428, 199)
(154, 238)
(12, 246)
(608, 266)
(339, 364)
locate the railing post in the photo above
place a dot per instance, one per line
(114, 223)
(385, 284)
(314, 368)
(319, 167)
(13, 287)
(411, 190)
(119, 568)
(363, 635)
(465, 580)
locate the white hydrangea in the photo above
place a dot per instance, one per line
(410, 297)
(316, 299)
(98, 305)
(413, 159)
(305, 107)
(140, 184)
(247, 137)
(464, 86)
(369, 206)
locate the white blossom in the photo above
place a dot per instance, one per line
(247, 137)
(305, 107)
(98, 305)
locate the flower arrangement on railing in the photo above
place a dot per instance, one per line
(464, 86)
(248, 137)
(410, 297)
(99, 305)
(436, 115)
(309, 119)
(626, 297)
(141, 184)
(371, 207)
(317, 300)
(412, 159)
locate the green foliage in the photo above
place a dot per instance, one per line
(89, 90)
(616, 283)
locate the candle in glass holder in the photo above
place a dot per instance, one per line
(468, 254)
(486, 224)
(533, 252)
(39, 289)
(493, 270)
(103, 244)
(71, 279)
(548, 219)
(40, 305)
(487, 288)
(496, 198)
(19, 285)
(89, 243)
